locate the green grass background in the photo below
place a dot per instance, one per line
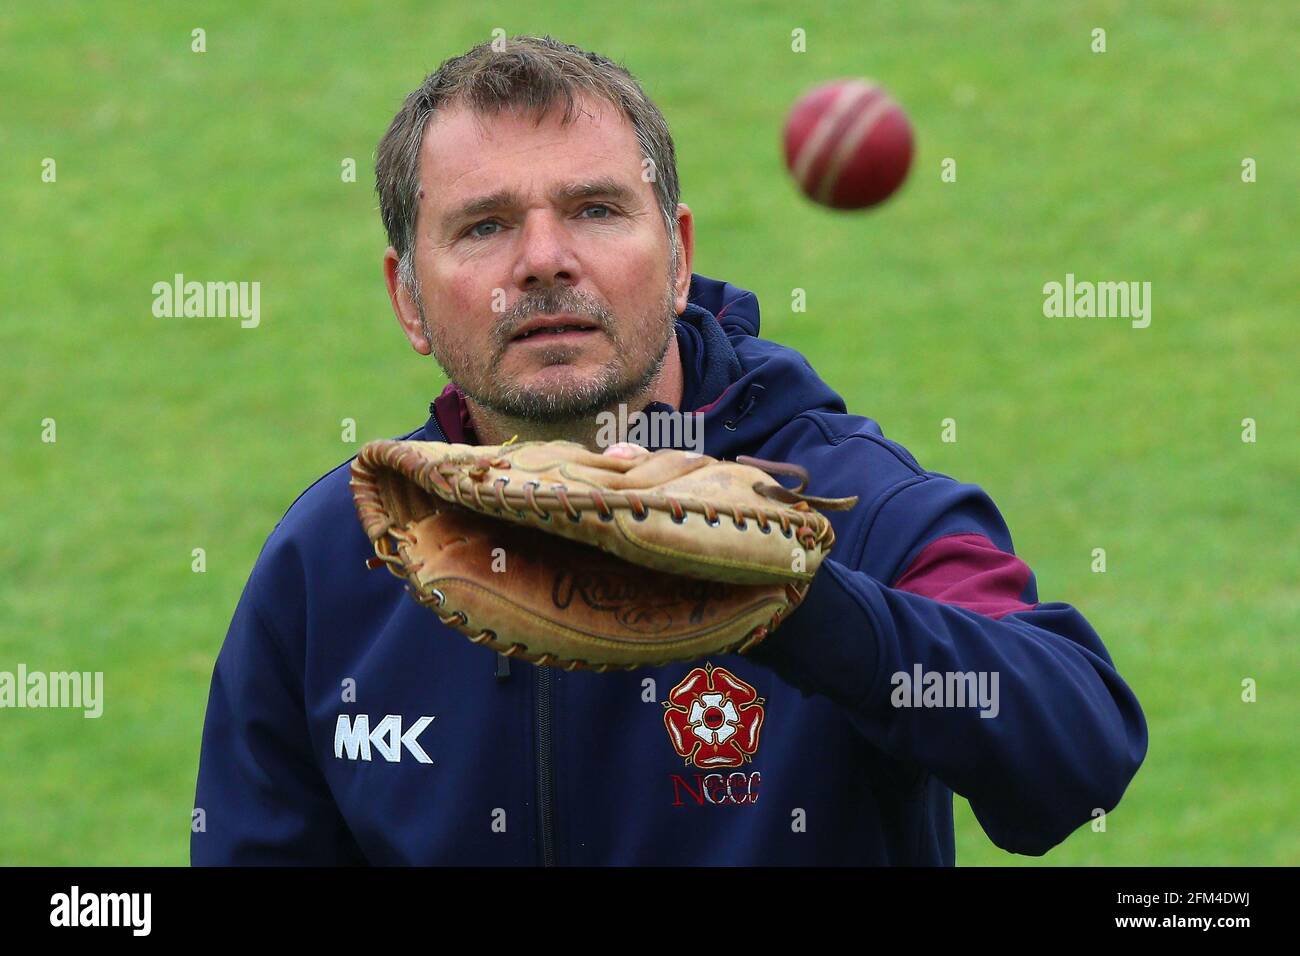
(176, 434)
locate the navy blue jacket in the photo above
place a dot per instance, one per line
(347, 725)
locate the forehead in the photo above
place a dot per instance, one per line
(465, 153)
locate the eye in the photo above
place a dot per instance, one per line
(598, 207)
(474, 230)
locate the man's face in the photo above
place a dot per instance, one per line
(521, 221)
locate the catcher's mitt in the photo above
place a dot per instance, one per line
(558, 555)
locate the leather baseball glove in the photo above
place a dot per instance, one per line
(555, 554)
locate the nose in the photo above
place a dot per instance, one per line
(546, 254)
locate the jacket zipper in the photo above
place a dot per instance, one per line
(545, 783)
(545, 780)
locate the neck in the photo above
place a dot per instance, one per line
(493, 428)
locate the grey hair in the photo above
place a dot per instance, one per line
(529, 74)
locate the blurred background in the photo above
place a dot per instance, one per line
(230, 164)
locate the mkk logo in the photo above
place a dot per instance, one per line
(355, 738)
(713, 718)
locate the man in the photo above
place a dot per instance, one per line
(535, 188)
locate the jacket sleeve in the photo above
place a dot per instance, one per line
(263, 798)
(1064, 734)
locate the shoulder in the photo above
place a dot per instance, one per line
(850, 452)
(327, 498)
(857, 436)
(318, 538)
(901, 504)
(903, 507)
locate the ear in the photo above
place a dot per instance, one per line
(685, 255)
(404, 307)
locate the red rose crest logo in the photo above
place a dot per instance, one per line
(713, 718)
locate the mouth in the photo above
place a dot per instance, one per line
(555, 329)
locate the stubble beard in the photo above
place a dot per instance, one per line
(568, 400)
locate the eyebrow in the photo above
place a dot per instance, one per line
(604, 188)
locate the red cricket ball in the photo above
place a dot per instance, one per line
(848, 144)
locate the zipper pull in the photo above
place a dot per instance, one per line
(750, 399)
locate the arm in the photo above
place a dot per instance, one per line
(264, 798)
(1067, 734)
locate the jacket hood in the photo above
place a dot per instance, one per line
(767, 385)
